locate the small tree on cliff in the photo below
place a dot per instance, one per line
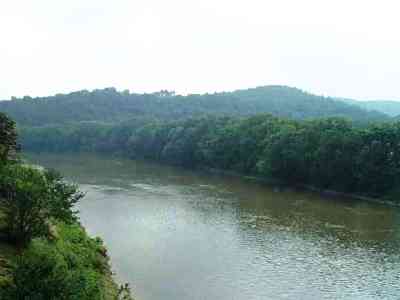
(31, 198)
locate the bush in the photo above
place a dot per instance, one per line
(71, 267)
(31, 198)
(40, 273)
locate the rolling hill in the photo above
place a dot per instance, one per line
(109, 105)
(389, 107)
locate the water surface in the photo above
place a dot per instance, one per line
(176, 234)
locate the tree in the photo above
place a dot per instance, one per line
(31, 198)
(285, 155)
(39, 273)
(71, 267)
(8, 138)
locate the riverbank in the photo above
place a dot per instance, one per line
(274, 182)
(331, 154)
(78, 253)
(280, 183)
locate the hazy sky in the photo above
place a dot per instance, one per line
(346, 48)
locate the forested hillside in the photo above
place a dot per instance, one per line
(304, 139)
(391, 108)
(109, 105)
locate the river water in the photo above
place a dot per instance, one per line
(176, 234)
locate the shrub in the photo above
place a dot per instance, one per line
(31, 198)
(71, 267)
(40, 273)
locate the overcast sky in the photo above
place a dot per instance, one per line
(348, 48)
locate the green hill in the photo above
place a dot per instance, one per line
(389, 107)
(110, 105)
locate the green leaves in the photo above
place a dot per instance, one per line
(39, 273)
(31, 198)
(56, 260)
(72, 267)
(328, 153)
(64, 197)
(8, 138)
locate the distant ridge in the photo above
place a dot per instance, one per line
(110, 105)
(389, 107)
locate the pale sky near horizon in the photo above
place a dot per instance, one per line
(343, 48)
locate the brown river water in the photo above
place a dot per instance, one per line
(176, 234)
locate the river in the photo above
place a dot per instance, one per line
(176, 234)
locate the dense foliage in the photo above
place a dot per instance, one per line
(8, 138)
(31, 198)
(71, 267)
(328, 153)
(55, 259)
(109, 105)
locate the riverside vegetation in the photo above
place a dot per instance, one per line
(272, 132)
(44, 251)
(331, 153)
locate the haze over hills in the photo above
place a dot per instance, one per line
(110, 105)
(389, 107)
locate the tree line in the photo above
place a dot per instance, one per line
(331, 153)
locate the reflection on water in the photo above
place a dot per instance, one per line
(176, 234)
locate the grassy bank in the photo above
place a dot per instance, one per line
(70, 261)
